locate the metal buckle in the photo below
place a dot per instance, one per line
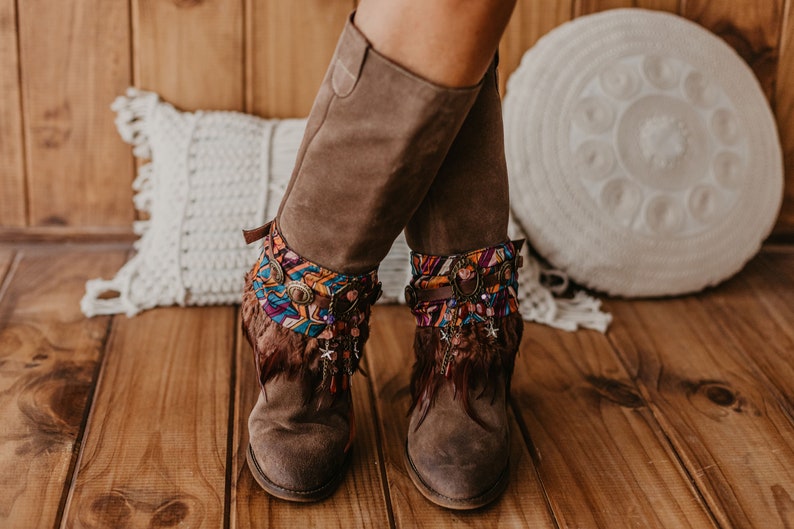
(300, 293)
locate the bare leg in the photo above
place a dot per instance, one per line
(450, 42)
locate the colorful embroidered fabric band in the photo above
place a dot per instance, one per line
(311, 300)
(461, 289)
(306, 297)
(456, 292)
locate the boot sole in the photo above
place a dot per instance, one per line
(453, 503)
(300, 496)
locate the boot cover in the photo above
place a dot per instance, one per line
(467, 336)
(307, 327)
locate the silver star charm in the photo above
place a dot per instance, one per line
(444, 335)
(326, 351)
(491, 330)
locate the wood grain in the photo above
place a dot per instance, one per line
(389, 356)
(290, 45)
(660, 5)
(13, 202)
(784, 112)
(531, 20)
(156, 442)
(191, 51)
(751, 27)
(48, 362)
(74, 62)
(724, 419)
(755, 308)
(586, 7)
(603, 459)
(359, 501)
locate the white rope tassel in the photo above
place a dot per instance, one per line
(132, 112)
(539, 304)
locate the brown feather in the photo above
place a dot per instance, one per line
(279, 351)
(478, 360)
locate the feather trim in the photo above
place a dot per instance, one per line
(477, 363)
(279, 351)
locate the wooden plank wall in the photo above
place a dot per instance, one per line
(65, 172)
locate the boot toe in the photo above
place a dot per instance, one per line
(295, 453)
(295, 465)
(458, 464)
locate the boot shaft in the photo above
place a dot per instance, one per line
(375, 139)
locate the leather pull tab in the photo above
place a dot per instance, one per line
(256, 233)
(518, 245)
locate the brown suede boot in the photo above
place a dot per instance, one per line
(376, 136)
(468, 332)
(468, 328)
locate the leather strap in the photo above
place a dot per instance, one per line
(256, 233)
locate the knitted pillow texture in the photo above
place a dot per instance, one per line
(213, 173)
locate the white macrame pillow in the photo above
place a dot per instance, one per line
(643, 155)
(211, 175)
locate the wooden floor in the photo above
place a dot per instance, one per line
(682, 416)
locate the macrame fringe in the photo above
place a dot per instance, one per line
(541, 295)
(104, 297)
(112, 296)
(132, 110)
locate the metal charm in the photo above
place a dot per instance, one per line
(300, 293)
(466, 285)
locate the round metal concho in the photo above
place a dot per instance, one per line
(506, 272)
(468, 294)
(299, 293)
(276, 272)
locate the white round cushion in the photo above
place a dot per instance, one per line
(643, 156)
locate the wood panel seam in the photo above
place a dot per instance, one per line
(77, 449)
(373, 410)
(231, 447)
(532, 450)
(22, 121)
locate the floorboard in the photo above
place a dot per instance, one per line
(155, 452)
(726, 423)
(602, 457)
(757, 310)
(48, 362)
(359, 501)
(682, 416)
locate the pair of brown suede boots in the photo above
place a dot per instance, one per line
(385, 150)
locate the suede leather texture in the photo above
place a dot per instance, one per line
(299, 447)
(375, 139)
(455, 456)
(468, 204)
